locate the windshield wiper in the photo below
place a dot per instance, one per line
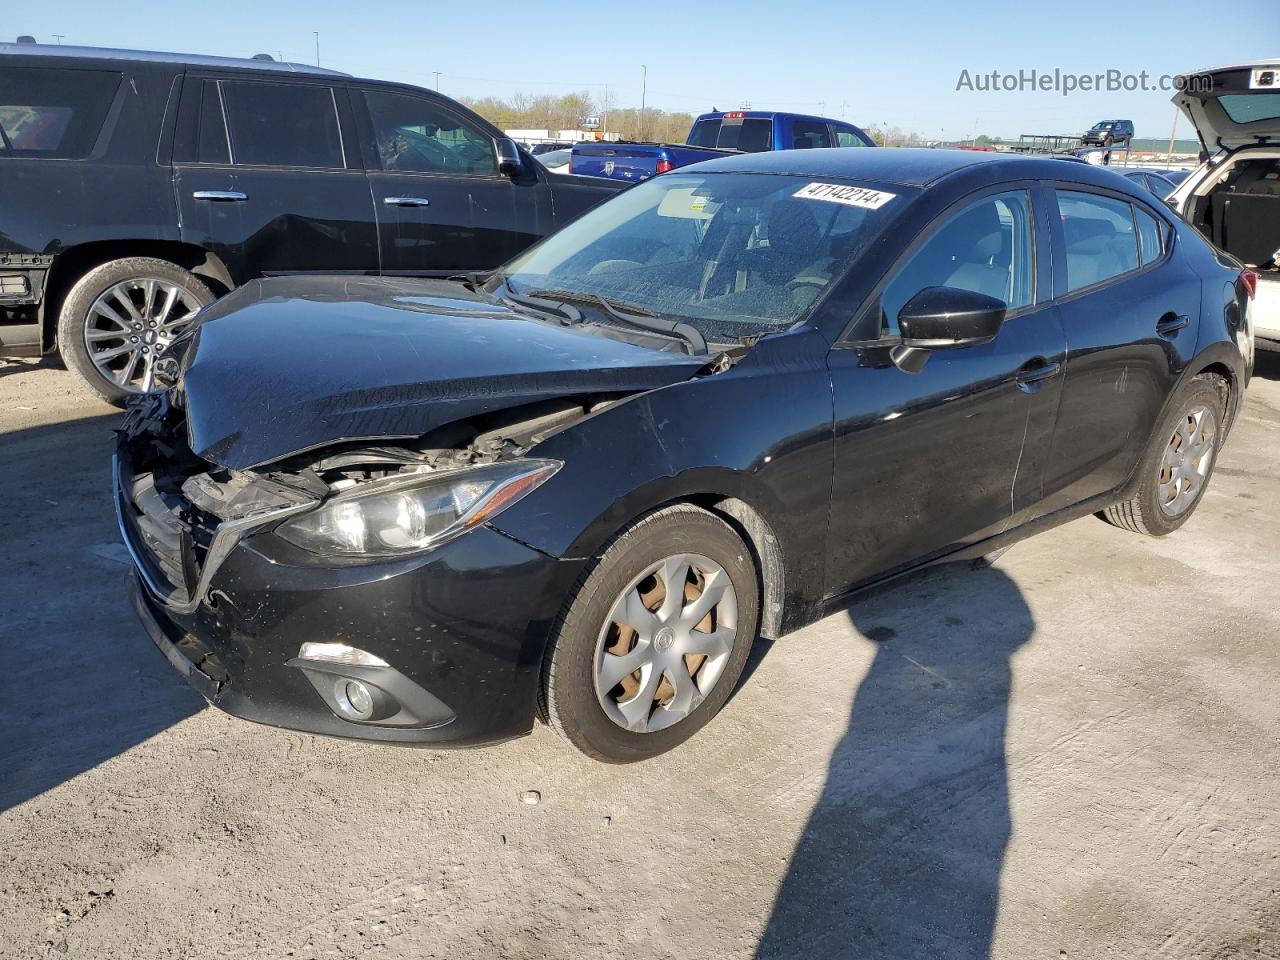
(536, 301)
(630, 313)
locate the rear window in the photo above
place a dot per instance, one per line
(282, 124)
(53, 113)
(1251, 107)
(750, 135)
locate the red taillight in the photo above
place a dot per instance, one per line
(664, 166)
(1250, 280)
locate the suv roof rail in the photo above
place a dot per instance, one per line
(27, 47)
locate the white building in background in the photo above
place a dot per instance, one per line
(558, 136)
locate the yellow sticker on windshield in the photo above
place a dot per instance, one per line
(841, 193)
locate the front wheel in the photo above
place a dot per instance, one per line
(1177, 464)
(121, 316)
(655, 637)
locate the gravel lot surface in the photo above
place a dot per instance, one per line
(1070, 754)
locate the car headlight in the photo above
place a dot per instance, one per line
(405, 515)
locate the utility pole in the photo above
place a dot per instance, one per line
(316, 33)
(437, 73)
(644, 85)
(843, 105)
(605, 118)
(58, 37)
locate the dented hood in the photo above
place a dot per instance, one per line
(287, 365)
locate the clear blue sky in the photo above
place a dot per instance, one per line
(884, 62)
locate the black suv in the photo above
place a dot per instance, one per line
(1108, 133)
(137, 187)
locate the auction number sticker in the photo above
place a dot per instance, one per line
(840, 193)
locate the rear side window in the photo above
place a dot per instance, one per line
(1151, 236)
(282, 124)
(212, 133)
(806, 134)
(53, 113)
(1099, 236)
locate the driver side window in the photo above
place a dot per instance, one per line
(415, 136)
(985, 248)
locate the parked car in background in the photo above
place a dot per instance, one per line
(1152, 180)
(712, 408)
(1234, 197)
(136, 187)
(537, 149)
(557, 161)
(712, 135)
(1107, 133)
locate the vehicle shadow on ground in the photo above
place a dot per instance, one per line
(79, 680)
(50, 362)
(1266, 364)
(901, 856)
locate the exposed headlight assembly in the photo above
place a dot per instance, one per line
(406, 515)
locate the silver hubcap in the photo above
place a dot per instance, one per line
(666, 643)
(133, 323)
(1186, 461)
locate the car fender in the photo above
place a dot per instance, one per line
(669, 445)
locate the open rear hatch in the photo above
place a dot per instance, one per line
(1235, 202)
(1233, 107)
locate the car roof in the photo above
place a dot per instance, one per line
(766, 114)
(908, 166)
(149, 56)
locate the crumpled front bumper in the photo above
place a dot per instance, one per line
(465, 624)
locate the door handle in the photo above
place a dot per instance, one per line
(223, 196)
(406, 201)
(1034, 373)
(1171, 323)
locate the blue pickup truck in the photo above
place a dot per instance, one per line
(714, 135)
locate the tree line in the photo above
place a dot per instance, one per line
(566, 112)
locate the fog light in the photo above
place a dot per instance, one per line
(355, 699)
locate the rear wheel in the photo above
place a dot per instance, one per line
(1176, 467)
(655, 637)
(121, 316)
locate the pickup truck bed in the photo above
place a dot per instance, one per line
(635, 161)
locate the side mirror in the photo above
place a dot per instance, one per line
(942, 318)
(509, 162)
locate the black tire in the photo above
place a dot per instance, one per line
(568, 697)
(1141, 512)
(74, 316)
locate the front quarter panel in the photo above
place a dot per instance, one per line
(759, 432)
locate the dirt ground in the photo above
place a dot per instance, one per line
(1070, 754)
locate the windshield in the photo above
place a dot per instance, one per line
(729, 254)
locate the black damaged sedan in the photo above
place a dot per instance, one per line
(429, 512)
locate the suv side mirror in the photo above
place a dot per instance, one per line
(943, 318)
(509, 162)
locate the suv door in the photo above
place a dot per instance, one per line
(267, 177)
(1130, 312)
(441, 204)
(960, 455)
